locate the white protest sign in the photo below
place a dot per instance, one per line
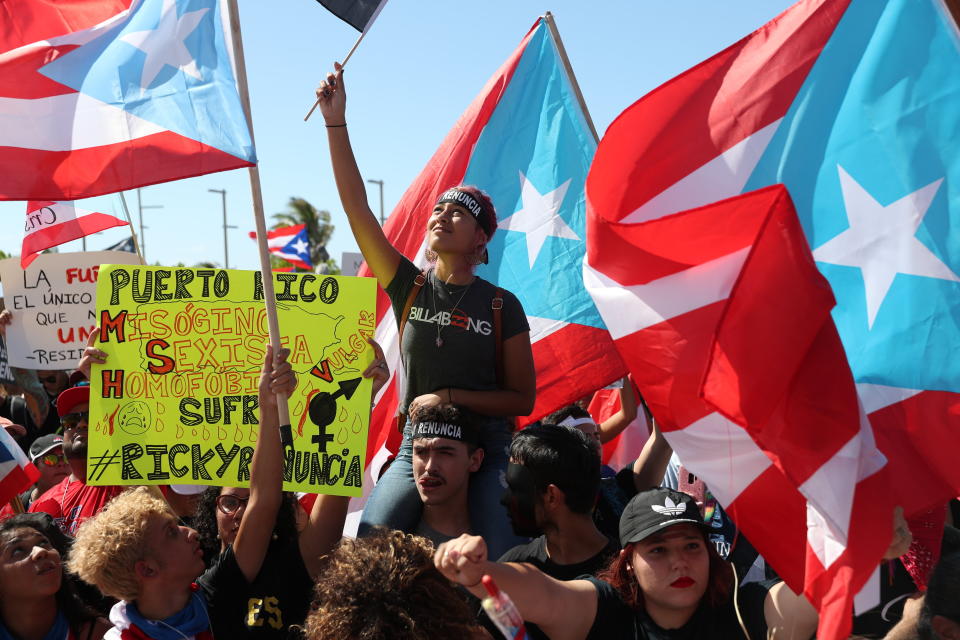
(53, 304)
(350, 262)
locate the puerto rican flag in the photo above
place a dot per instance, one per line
(100, 96)
(836, 100)
(53, 223)
(290, 244)
(16, 471)
(526, 142)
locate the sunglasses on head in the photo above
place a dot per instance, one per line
(230, 504)
(51, 459)
(71, 420)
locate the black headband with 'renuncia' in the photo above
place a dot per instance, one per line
(484, 217)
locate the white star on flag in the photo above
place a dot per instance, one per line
(538, 217)
(164, 45)
(881, 240)
(300, 247)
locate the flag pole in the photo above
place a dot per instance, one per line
(551, 23)
(16, 504)
(273, 324)
(342, 64)
(350, 53)
(953, 6)
(133, 234)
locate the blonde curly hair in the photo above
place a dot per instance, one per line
(386, 586)
(108, 545)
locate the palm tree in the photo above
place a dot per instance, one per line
(319, 229)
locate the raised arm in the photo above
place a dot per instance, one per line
(380, 255)
(615, 424)
(649, 468)
(266, 468)
(563, 610)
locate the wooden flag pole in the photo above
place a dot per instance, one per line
(273, 324)
(954, 7)
(548, 18)
(133, 234)
(16, 504)
(342, 64)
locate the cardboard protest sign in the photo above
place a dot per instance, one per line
(176, 401)
(6, 376)
(52, 302)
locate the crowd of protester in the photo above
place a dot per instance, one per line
(583, 550)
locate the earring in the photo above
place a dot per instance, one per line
(478, 256)
(430, 255)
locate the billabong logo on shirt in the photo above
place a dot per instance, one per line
(669, 508)
(457, 318)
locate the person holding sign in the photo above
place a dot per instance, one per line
(461, 331)
(136, 551)
(280, 595)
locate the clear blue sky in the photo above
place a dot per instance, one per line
(416, 71)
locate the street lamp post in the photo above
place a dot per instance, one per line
(140, 208)
(226, 254)
(379, 183)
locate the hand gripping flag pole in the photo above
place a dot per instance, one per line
(273, 325)
(356, 44)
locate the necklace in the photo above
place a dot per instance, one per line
(440, 325)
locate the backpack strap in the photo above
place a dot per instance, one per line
(418, 283)
(497, 305)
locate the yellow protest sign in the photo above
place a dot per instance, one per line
(176, 401)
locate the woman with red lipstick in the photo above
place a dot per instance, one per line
(462, 340)
(667, 582)
(36, 600)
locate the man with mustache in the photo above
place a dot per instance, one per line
(445, 452)
(72, 501)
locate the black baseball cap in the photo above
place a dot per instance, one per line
(652, 510)
(44, 444)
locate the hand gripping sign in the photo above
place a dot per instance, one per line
(176, 401)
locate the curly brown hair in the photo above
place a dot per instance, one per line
(108, 545)
(386, 586)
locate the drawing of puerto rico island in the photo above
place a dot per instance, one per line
(184, 367)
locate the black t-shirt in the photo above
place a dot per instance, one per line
(278, 598)
(610, 505)
(616, 621)
(467, 357)
(535, 553)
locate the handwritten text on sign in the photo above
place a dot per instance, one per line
(52, 302)
(177, 400)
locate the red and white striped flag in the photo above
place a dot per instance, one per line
(16, 471)
(53, 223)
(726, 324)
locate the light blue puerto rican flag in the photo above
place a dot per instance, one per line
(525, 141)
(852, 104)
(291, 244)
(105, 95)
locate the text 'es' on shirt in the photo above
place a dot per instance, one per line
(278, 597)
